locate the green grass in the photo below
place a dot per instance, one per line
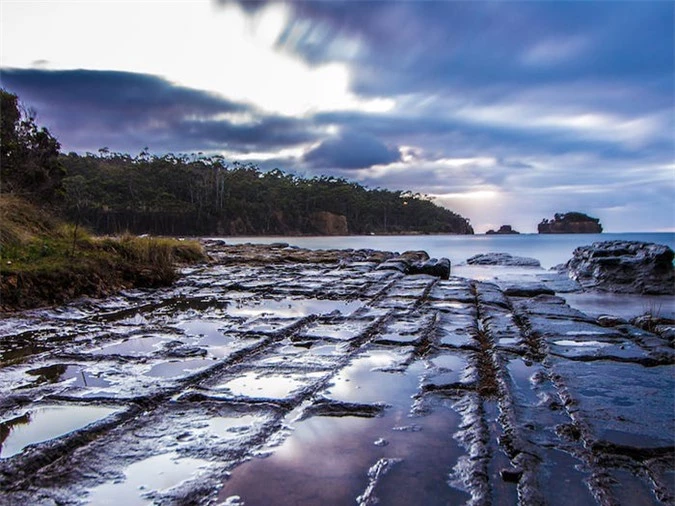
(44, 261)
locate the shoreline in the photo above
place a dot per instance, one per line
(247, 356)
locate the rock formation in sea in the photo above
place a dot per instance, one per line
(417, 262)
(624, 267)
(504, 229)
(570, 223)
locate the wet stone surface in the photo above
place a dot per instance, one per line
(274, 376)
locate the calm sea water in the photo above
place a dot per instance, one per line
(549, 249)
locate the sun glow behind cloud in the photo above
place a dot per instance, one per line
(193, 44)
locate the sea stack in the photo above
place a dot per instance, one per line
(570, 223)
(504, 229)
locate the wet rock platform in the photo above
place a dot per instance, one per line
(281, 377)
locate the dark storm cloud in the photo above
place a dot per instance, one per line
(419, 46)
(351, 150)
(86, 109)
(271, 132)
(120, 96)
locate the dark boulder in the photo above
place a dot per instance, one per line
(394, 264)
(418, 263)
(433, 267)
(624, 267)
(528, 290)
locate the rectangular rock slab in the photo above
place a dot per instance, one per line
(624, 404)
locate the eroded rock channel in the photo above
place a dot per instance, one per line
(277, 378)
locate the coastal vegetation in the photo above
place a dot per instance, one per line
(199, 195)
(45, 259)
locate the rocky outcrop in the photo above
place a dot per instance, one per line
(624, 267)
(503, 230)
(527, 290)
(570, 223)
(502, 259)
(433, 267)
(418, 262)
(327, 223)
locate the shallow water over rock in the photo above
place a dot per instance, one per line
(332, 383)
(45, 422)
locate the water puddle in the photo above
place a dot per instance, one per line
(404, 330)
(523, 373)
(265, 325)
(43, 423)
(447, 369)
(141, 479)
(367, 380)
(449, 361)
(562, 479)
(397, 338)
(291, 308)
(262, 385)
(619, 348)
(230, 428)
(623, 305)
(199, 327)
(344, 331)
(624, 404)
(568, 342)
(329, 460)
(321, 463)
(326, 350)
(178, 368)
(78, 376)
(222, 346)
(304, 355)
(455, 330)
(13, 351)
(627, 485)
(136, 346)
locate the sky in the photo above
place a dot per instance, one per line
(505, 112)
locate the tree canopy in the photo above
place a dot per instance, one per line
(179, 194)
(29, 154)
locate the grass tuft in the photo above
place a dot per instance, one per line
(44, 261)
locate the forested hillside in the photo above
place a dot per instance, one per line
(113, 192)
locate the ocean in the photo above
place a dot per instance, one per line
(549, 249)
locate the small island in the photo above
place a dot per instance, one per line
(503, 230)
(570, 223)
